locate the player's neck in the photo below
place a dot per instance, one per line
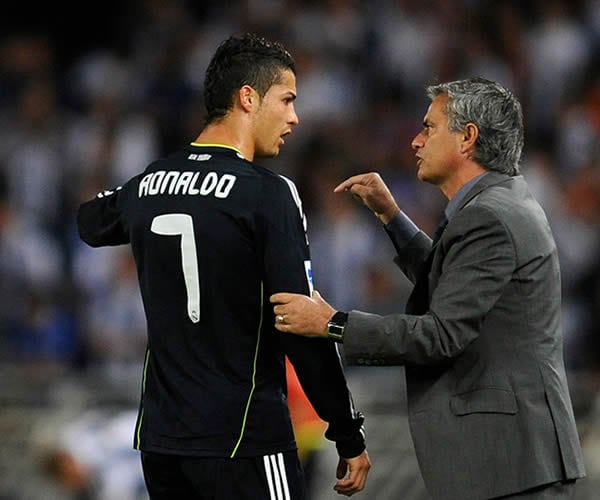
(228, 134)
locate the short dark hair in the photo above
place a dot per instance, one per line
(246, 59)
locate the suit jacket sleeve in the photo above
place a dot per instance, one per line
(473, 261)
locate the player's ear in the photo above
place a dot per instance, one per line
(248, 97)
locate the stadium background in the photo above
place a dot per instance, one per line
(89, 93)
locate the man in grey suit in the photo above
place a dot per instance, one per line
(489, 407)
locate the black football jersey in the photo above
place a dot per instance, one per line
(213, 236)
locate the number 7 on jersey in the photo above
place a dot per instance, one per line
(183, 225)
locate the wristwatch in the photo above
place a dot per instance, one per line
(336, 326)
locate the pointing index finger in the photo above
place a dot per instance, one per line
(343, 186)
(351, 181)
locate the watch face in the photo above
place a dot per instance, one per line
(336, 326)
(335, 329)
(335, 332)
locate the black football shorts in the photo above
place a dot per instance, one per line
(271, 477)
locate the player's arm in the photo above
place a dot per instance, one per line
(319, 367)
(317, 361)
(100, 221)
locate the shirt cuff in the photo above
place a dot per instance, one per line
(401, 230)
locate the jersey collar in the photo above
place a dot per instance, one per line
(226, 146)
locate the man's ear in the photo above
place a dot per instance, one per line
(469, 137)
(248, 98)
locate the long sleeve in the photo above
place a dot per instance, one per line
(99, 220)
(477, 258)
(317, 362)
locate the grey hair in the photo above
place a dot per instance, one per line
(497, 114)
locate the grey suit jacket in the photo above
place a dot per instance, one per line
(489, 407)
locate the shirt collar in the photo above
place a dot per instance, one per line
(454, 203)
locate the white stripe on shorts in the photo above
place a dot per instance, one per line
(276, 477)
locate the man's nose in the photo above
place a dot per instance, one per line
(294, 120)
(416, 142)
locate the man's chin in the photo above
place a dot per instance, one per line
(267, 154)
(423, 177)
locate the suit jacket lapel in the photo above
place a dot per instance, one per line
(418, 301)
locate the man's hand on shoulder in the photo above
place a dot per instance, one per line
(300, 314)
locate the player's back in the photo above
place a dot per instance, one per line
(204, 225)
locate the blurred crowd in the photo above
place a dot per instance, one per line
(71, 127)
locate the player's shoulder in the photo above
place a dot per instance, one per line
(270, 177)
(266, 173)
(278, 185)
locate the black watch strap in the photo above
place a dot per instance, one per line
(337, 325)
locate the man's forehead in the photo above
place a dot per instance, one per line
(288, 78)
(437, 106)
(287, 83)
